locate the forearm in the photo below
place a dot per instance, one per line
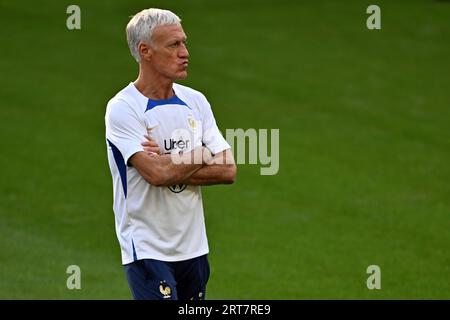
(167, 170)
(221, 169)
(177, 173)
(212, 174)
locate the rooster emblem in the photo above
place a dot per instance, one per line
(164, 289)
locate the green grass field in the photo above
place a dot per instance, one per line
(364, 119)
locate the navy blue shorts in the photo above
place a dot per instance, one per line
(159, 280)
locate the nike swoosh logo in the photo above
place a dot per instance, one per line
(151, 128)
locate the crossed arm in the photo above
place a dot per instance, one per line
(160, 170)
(221, 169)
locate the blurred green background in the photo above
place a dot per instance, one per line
(364, 137)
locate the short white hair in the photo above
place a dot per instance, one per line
(141, 26)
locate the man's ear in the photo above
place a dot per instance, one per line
(145, 51)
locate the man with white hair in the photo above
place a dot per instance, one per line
(163, 144)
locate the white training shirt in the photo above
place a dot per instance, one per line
(163, 223)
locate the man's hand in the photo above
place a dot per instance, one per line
(150, 146)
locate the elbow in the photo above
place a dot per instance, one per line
(157, 181)
(230, 175)
(154, 180)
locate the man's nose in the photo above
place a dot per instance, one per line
(183, 53)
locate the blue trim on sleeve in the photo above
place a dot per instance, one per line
(120, 162)
(134, 250)
(174, 100)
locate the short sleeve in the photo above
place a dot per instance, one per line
(212, 138)
(123, 128)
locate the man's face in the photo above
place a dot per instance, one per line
(169, 54)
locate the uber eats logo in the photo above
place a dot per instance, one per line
(179, 144)
(180, 140)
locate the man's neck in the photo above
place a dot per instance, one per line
(154, 87)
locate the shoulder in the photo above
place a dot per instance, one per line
(123, 102)
(122, 108)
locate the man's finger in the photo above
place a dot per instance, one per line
(152, 150)
(149, 144)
